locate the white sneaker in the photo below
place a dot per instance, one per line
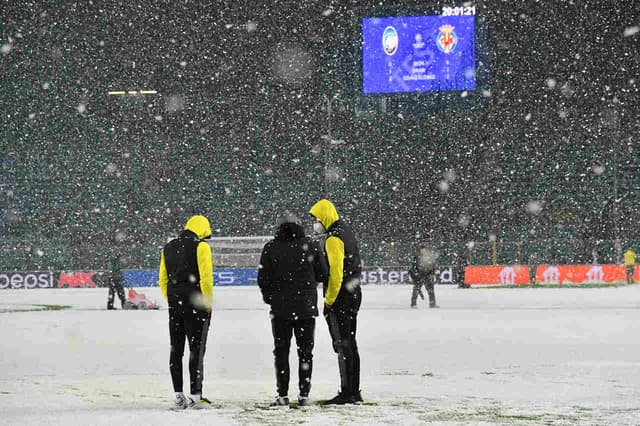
(179, 403)
(197, 402)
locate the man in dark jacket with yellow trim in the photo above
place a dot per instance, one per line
(342, 296)
(291, 266)
(186, 282)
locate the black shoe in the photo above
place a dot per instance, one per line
(303, 401)
(111, 308)
(357, 397)
(434, 306)
(341, 399)
(414, 306)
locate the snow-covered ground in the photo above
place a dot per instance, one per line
(488, 356)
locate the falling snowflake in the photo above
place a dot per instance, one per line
(534, 207)
(630, 31)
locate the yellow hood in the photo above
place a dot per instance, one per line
(199, 225)
(325, 212)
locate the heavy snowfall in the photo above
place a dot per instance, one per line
(120, 120)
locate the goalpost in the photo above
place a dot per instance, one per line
(237, 252)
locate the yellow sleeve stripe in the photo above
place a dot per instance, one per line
(205, 269)
(335, 254)
(163, 278)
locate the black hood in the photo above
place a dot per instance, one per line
(289, 231)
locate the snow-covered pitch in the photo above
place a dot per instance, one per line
(487, 356)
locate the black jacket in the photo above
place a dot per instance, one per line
(350, 294)
(291, 265)
(186, 265)
(182, 264)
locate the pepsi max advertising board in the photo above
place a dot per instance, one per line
(419, 53)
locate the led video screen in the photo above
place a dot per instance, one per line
(419, 53)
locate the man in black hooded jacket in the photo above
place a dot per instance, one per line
(291, 266)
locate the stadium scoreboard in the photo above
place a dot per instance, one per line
(430, 53)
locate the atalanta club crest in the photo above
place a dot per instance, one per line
(447, 39)
(390, 41)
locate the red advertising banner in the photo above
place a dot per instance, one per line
(582, 274)
(76, 279)
(496, 275)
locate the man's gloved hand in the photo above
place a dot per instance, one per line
(327, 309)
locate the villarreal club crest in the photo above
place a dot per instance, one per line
(447, 39)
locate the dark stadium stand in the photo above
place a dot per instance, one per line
(225, 138)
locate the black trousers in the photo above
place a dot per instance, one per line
(417, 285)
(186, 322)
(304, 330)
(342, 327)
(115, 285)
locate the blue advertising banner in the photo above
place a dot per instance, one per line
(246, 277)
(221, 277)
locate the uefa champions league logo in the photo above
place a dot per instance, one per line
(390, 41)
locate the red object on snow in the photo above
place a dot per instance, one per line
(139, 301)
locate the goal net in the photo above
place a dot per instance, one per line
(237, 252)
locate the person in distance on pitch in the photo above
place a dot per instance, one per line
(114, 281)
(630, 264)
(422, 273)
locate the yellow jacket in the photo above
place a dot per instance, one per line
(629, 258)
(327, 214)
(341, 249)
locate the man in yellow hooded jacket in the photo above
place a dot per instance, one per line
(630, 264)
(342, 296)
(186, 282)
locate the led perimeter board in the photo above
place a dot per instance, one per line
(407, 54)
